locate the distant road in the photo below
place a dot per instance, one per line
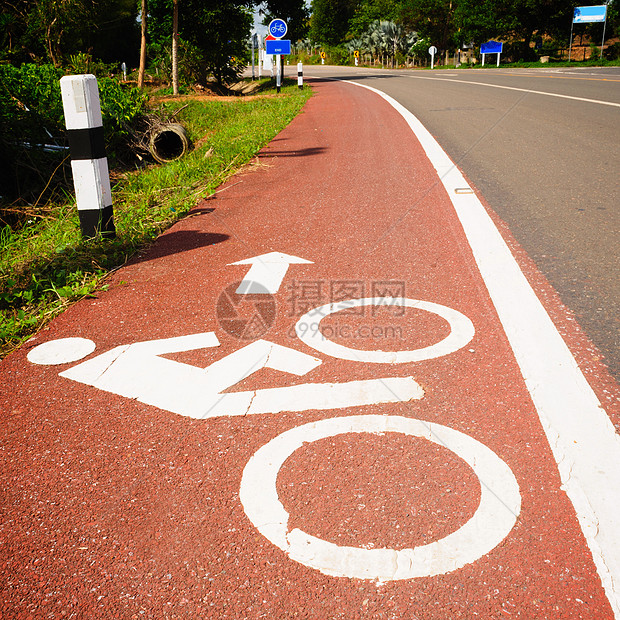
(543, 148)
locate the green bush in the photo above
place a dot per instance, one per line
(338, 56)
(31, 116)
(595, 52)
(122, 106)
(612, 52)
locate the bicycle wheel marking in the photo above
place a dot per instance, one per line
(461, 332)
(500, 504)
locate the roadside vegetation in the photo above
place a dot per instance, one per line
(391, 33)
(45, 264)
(141, 49)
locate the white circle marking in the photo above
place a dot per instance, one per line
(461, 332)
(61, 351)
(500, 504)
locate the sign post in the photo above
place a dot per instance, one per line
(588, 15)
(254, 46)
(432, 50)
(277, 29)
(277, 48)
(491, 47)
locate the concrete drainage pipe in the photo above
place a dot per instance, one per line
(168, 142)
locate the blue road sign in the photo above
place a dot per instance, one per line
(587, 14)
(277, 28)
(491, 47)
(278, 48)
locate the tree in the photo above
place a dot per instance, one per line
(52, 30)
(385, 39)
(175, 47)
(481, 20)
(293, 12)
(516, 20)
(330, 20)
(552, 17)
(369, 11)
(216, 32)
(143, 20)
(433, 20)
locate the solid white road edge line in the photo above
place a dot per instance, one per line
(581, 435)
(522, 90)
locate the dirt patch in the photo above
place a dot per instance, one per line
(211, 92)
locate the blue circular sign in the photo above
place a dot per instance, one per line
(277, 28)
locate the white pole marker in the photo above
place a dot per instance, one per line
(89, 164)
(266, 273)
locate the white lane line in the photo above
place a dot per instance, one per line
(522, 90)
(582, 438)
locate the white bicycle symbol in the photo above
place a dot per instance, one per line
(277, 28)
(139, 372)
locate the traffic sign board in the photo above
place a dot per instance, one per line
(277, 28)
(278, 47)
(491, 47)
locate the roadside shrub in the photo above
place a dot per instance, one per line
(122, 106)
(612, 52)
(595, 52)
(306, 59)
(338, 56)
(32, 130)
(30, 117)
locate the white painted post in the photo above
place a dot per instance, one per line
(278, 72)
(300, 75)
(253, 48)
(432, 50)
(89, 164)
(483, 55)
(498, 55)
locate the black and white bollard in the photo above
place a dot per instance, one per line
(91, 178)
(300, 75)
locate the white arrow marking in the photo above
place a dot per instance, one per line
(266, 273)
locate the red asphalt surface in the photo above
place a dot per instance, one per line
(116, 509)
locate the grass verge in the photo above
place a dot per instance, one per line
(46, 265)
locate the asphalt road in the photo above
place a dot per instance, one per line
(543, 148)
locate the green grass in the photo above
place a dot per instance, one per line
(46, 265)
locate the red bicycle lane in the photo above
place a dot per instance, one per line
(402, 474)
